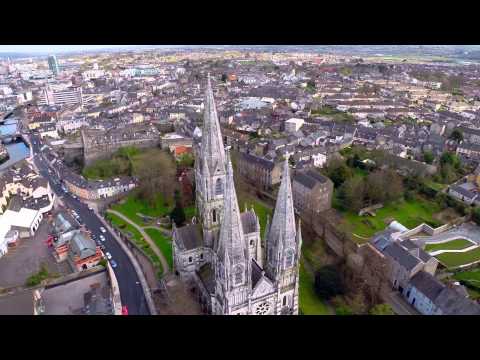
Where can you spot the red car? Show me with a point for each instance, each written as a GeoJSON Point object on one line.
{"type": "Point", "coordinates": [124, 310]}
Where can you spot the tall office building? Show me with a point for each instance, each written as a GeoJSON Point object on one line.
{"type": "Point", "coordinates": [53, 64]}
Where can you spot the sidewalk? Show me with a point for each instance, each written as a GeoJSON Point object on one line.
{"type": "Point", "coordinates": [138, 270]}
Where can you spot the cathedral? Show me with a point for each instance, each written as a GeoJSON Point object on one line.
{"type": "Point", "coordinates": [221, 255]}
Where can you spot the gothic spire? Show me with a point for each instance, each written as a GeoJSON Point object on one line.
{"type": "Point", "coordinates": [212, 145]}
{"type": "Point", "coordinates": [232, 244]}
{"type": "Point", "coordinates": [282, 232]}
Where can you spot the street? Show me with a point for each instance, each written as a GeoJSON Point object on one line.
{"type": "Point", "coordinates": [131, 292]}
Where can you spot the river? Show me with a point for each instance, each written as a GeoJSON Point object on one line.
{"type": "Point", "coordinates": [17, 151]}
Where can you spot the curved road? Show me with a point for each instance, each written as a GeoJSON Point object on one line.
{"type": "Point", "coordinates": [131, 292]}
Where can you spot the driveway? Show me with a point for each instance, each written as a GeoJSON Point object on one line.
{"type": "Point", "coordinates": [25, 259]}
{"type": "Point", "coordinates": [469, 231]}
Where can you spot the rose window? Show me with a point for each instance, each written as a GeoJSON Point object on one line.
{"type": "Point", "coordinates": [263, 308]}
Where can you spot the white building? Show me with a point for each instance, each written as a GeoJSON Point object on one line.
{"type": "Point", "coordinates": [293, 125]}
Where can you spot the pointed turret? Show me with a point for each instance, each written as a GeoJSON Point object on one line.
{"type": "Point", "coordinates": [281, 239]}
{"type": "Point", "coordinates": [232, 251]}
{"type": "Point", "coordinates": [212, 144]}
{"type": "Point", "coordinates": [210, 170]}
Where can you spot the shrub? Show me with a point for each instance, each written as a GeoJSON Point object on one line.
{"type": "Point", "coordinates": [381, 309]}
{"type": "Point", "coordinates": [328, 282]}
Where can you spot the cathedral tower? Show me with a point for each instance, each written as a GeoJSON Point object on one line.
{"type": "Point", "coordinates": [232, 260]}
{"type": "Point", "coordinates": [210, 170]}
{"type": "Point", "coordinates": [283, 244]}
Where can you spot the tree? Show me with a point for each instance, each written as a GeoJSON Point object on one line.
{"type": "Point", "coordinates": [428, 157]}
{"type": "Point", "coordinates": [178, 214]}
{"type": "Point", "coordinates": [375, 190]}
{"type": "Point", "coordinates": [352, 193]}
{"type": "Point", "coordinates": [448, 173]}
{"type": "Point", "coordinates": [328, 282]}
{"type": "Point", "coordinates": [476, 215]}
{"type": "Point", "coordinates": [393, 185]}
{"type": "Point", "coordinates": [156, 172]}
{"type": "Point", "coordinates": [338, 172]}
{"type": "Point", "coordinates": [381, 309]}
{"type": "Point", "coordinates": [456, 135]}
{"type": "Point", "coordinates": [450, 158]}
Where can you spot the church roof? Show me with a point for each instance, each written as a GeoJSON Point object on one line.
{"type": "Point", "coordinates": [190, 236]}
{"type": "Point", "coordinates": [256, 273]}
{"type": "Point", "coordinates": [249, 222]}
{"type": "Point", "coordinates": [207, 277]}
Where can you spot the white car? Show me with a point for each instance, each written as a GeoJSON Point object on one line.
{"type": "Point", "coordinates": [108, 255]}
{"type": "Point", "coordinates": [90, 208]}
{"type": "Point", "coordinates": [102, 237]}
{"type": "Point", "coordinates": [102, 229]}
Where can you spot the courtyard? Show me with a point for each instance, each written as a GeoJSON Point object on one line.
{"type": "Point", "coordinates": [27, 258]}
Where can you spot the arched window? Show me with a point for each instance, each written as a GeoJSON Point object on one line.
{"type": "Point", "coordinates": [238, 274]}
{"type": "Point", "coordinates": [219, 187]}
{"type": "Point", "coordinates": [289, 258]}
{"type": "Point", "coordinates": [285, 300]}
{"type": "Point", "coordinates": [214, 215]}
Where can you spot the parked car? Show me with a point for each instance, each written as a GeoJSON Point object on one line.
{"type": "Point", "coordinates": [102, 237]}
{"type": "Point", "coordinates": [108, 255]}
{"type": "Point", "coordinates": [102, 229]}
{"type": "Point", "coordinates": [124, 310]}
{"type": "Point", "coordinates": [113, 263]}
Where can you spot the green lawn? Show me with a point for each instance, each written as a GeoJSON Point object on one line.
{"type": "Point", "coordinates": [125, 228]}
{"type": "Point", "coordinates": [133, 205]}
{"type": "Point", "coordinates": [409, 213]}
{"type": "Point", "coordinates": [471, 279]}
{"type": "Point", "coordinates": [164, 244]}
{"type": "Point", "coordinates": [456, 244]}
{"type": "Point", "coordinates": [453, 260]}
{"type": "Point", "coordinates": [309, 302]}
{"type": "Point", "coordinates": [435, 185]}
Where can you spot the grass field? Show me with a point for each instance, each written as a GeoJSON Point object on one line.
{"type": "Point", "coordinates": [164, 244]}
{"type": "Point", "coordinates": [456, 244]}
{"type": "Point", "coordinates": [452, 260]}
{"type": "Point", "coordinates": [136, 237]}
{"type": "Point", "coordinates": [133, 205]}
{"type": "Point", "coordinates": [409, 213]}
{"type": "Point", "coordinates": [472, 281]}
{"type": "Point", "coordinates": [309, 302]}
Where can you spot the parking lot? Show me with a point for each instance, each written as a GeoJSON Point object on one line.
{"type": "Point", "coordinates": [25, 259]}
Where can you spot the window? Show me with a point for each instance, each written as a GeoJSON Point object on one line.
{"type": "Point", "coordinates": [285, 300]}
{"type": "Point", "coordinates": [262, 308]}
{"type": "Point", "coordinates": [289, 258]}
{"type": "Point", "coordinates": [190, 259]}
{"type": "Point", "coordinates": [214, 215]}
{"type": "Point", "coordinates": [238, 274]}
{"type": "Point", "coordinates": [251, 242]}
{"type": "Point", "coordinates": [201, 256]}
{"type": "Point", "coordinates": [218, 187]}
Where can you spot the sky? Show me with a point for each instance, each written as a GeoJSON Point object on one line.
{"type": "Point", "coordinates": [55, 48]}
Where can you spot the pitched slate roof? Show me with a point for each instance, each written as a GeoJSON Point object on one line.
{"type": "Point", "coordinates": [190, 236]}
{"type": "Point", "coordinates": [401, 255]}
{"type": "Point", "coordinates": [427, 285]}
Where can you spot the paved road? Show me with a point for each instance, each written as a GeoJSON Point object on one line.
{"type": "Point", "coordinates": [147, 237]}
{"type": "Point", "coordinates": [130, 289]}
{"type": "Point", "coordinates": [399, 305]}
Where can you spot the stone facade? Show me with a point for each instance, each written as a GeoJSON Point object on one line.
{"type": "Point", "coordinates": [222, 257]}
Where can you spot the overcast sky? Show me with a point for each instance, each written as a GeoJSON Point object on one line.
{"type": "Point", "coordinates": [55, 48]}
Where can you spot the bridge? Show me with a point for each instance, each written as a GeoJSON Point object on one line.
{"type": "Point", "coordinates": [17, 134]}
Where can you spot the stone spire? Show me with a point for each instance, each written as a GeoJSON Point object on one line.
{"type": "Point", "coordinates": [232, 250]}
{"type": "Point", "coordinates": [282, 232]}
{"type": "Point", "coordinates": [212, 149]}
